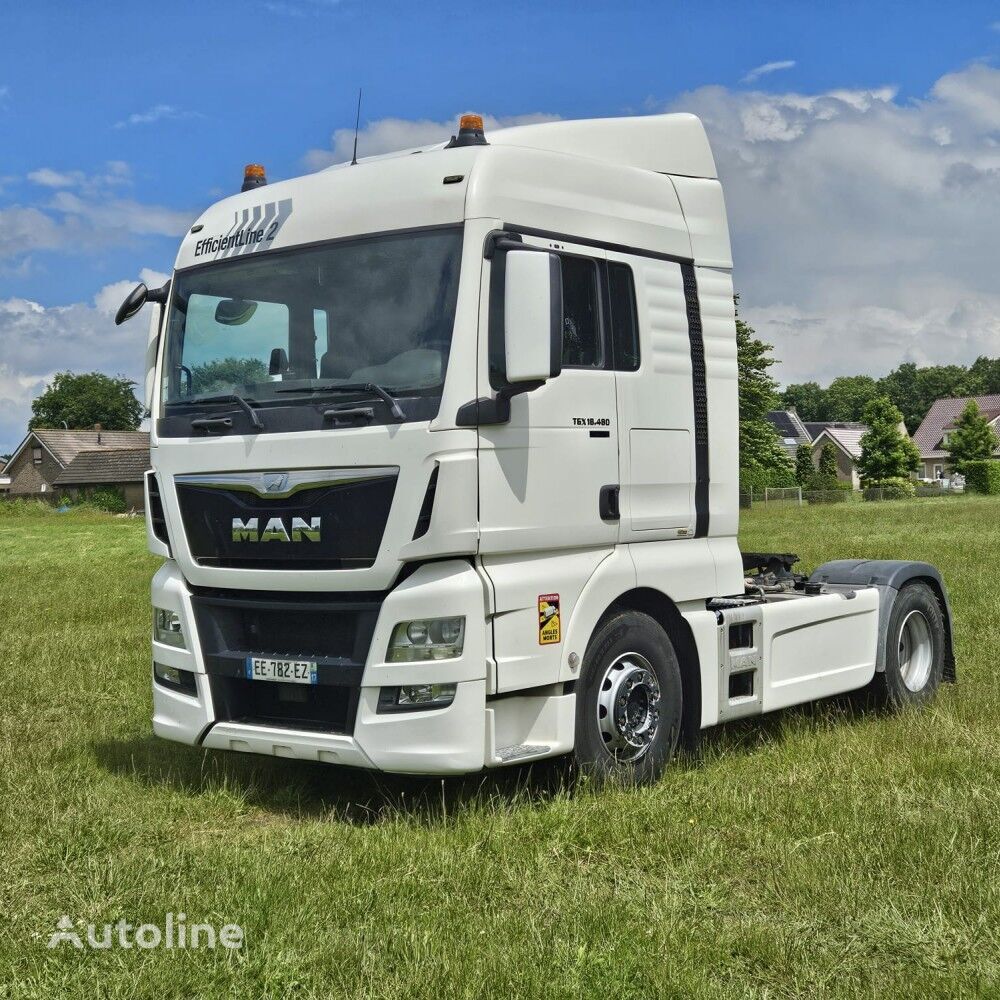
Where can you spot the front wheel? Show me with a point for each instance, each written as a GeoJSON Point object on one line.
{"type": "Point", "coordinates": [628, 706]}
{"type": "Point", "coordinates": [915, 647]}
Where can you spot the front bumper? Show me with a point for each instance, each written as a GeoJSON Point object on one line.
{"type": "Point", "coordinates": [448, 740]}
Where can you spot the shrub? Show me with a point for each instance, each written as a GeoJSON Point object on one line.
{"type": "Point", "coordinates": [110, 500]}
{"type": "Point", "coordinates": [895, 488]}
{"type": "Point", "coordinates": [759, 479]}
{"type": "Point", "coordinates": [983, 476]}
{"type": "Point", "coordinates": [25, 507]}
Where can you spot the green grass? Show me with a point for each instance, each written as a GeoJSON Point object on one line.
{"type": "Point", "coordinates": [820, 852]}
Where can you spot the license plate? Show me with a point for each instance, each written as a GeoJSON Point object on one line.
{"type": "Point", "coordinates": [265, 668]}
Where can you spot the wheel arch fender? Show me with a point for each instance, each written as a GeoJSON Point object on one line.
{"type": "Point", "coordinates": [889, 576]}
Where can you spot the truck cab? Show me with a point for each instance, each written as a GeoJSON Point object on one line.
{"type": "Point", "coordinates": [445, 468]}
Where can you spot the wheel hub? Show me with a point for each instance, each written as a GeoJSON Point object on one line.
{"type": "Point", "coordinates": [628, 707]}
{"type": "Point", "coordinates": [916, 651]}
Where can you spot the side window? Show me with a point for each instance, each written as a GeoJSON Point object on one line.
{"type": "Point", "coordinates": [624, 318]}
{"type": "Point", "coordinates": [581, 314]}
{"type": "Point", "coordinates": [36, 456]}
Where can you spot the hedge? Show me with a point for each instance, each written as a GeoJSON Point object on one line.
{"type": "Point", "coordinates": [983, 476]}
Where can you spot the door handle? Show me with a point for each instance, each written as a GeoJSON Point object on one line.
{"type": "Point", "coordinates": [608, 503]}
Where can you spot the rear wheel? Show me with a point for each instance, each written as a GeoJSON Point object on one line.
{"type": "Point", "coordinates": [915, 647]}
{"type": "Point", "coordinates": [628, 706]}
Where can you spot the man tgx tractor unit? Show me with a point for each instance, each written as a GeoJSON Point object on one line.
{"type": "Point", "coordinates": [445, 469]}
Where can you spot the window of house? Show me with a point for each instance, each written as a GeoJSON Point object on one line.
{"type": "Point", "coordinates": [581, 314]}
{"type": "Point", "coordinates": [939, 472]}
{"type": "Point", "coordinates": [36, 456]}
{"type": "Point", "coordinates": [624, 320]}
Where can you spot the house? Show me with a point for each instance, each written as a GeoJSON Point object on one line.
{"type": "Point", "coordinates": [123, 469]}
{"type": "Point", "coordinates": [845, 436]}
{"type": "Point", "coordinates": [37, 466]}
{"type": "Point", "coordinates": [932, 435]}
{"type": "Point", "coordinates": [4, 478]}
{"type": "Point", "coordinates": [790, 430]}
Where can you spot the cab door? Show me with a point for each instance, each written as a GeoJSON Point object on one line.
{"type": "Point", "coordinates": [548, 478]}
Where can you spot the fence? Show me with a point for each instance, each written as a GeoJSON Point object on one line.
{"type": "Point", "coordinates": [798, 496]}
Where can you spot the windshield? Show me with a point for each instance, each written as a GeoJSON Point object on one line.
{"type": "Point", "coordinates": [280, 328]}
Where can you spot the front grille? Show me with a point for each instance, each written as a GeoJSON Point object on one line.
{"type": "Point", "coordinates": [332, 525]}
{"type": "Point", "coordinates": [334, 630]}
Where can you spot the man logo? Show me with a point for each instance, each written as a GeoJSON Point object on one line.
{"type": "Point", "coordinates": [275, 531]}
{"type": "Point", "coordinates": [275, 482]}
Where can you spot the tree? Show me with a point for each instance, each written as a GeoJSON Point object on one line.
{"type": "Point", "coordinates": [227, 375]}
{"type": "Point", "coordinates": [80, 401]}
{"type": "Point", "coordinates": [848, 395]}
{"type": "Point", "coordinates": [804, 468]}
{"type": "Point", "coordinates": [807, 399]}
{"type": "Point", "coordinates": [885, 452]}
{"type": "Point", "coordinates": [825, 477]}
{"type": "Point", "coordinates": [972, 440]}
{"type": "Point", "coordinates": [902, 386]}
{"type": "Point", "coordinates": [761, 456]}
{"type": "Point", "coordinates": [985, 376]}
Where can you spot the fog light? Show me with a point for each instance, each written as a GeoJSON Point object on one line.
{"type": "Point", "coordinates": [175, 679]}
{"type": "Point", "coordinates": [413, 697]}
{"type": "Point", "coordinates": [167, 627]}
{"type": "Point", "coordinates": [427, 639]}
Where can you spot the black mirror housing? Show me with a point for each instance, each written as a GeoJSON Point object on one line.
{"type": "Point", "coordinates": [134, 301]}
{"type": "Point", "coordinates": [278, 363]}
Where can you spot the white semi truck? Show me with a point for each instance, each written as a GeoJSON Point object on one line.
{"type": "Point", "coordinates": [445, 470]}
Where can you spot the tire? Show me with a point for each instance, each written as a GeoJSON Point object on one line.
{"type": "Point", "coordinates": [629, 701]}
{"type": "Point", "coordinates": [915, 647]}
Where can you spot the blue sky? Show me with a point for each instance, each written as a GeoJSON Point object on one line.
{"type": "Point", "coordinates": [120, 122]}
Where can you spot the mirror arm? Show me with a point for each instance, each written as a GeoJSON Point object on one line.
{"type": "Point", "coordinates": [500, 239]}
{"type": "Point", "coordinates": [492, 409]}
{"type": "Point", "coordinates": [160, 294]}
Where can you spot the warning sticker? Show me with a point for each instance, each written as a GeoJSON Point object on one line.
{"type": "Point", "coordinates": [549, 630]}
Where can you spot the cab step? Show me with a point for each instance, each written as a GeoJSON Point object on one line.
{"type": "Point", "coordinates": [522, 751]}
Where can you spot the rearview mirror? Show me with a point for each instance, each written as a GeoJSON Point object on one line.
{"type": "Point", "coordinates": [278, 363]}
{"type": "Point", "coordinates": [134, 301]}
{"type": "Point", "coordinates": [532, 316]}
{"type": "Point", "coordinates": [234, 312]}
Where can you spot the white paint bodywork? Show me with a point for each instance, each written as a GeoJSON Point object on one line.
{"type": "Point", "coordinates": [516, 507]}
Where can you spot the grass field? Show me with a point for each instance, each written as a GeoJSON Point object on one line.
{"type": "Point", "coordinates": [820, 852]}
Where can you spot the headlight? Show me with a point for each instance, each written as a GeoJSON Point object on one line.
{"type": "Point", "coordinates": [427, 639]}
{"type": "Point", "coordinates": [167, 627]}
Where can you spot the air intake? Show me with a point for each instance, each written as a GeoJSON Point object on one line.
{"type": "Point", "coordinates": [154, 504]}
{"type": "Point", "coordinates": [427, 507]}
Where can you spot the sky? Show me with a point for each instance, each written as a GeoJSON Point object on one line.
{"type": "Point", "coordinates": [858, 144]}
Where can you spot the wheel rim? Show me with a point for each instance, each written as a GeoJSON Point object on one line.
{"type": "Point", "coordinates": [916, 651]}
{"type": "Point", "coordinates": [628, 707]}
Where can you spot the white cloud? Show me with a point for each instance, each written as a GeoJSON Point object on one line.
{"type": "Point", "coordinates": [81, 212]}
{"type": "Point", "coordinates": [769, 67]}
{"type": "Point", "coordinates": [864, 227]}
{"type": "Point", "coordinates": [299, 9]}
{"type": "Point", "coordinates": [390, 134]}
{"type": "Point", "coordinates": [37, 341]}
{"type": "Point", "coordinates": [157, 113]}
{"type": "Point", "coordinates": [47, 177]}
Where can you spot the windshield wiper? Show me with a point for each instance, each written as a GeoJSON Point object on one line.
{"type": "Point", "coordinates": [369, 387]}
{"type": "Point", "coordinates": [229, 397]}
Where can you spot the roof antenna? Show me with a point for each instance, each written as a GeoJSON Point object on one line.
{"type": "Point", "coordinates": [357, 122]}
